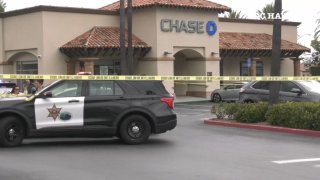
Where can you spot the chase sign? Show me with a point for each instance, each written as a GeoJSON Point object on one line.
{"type": "Point", "coordinates": [199, 27]}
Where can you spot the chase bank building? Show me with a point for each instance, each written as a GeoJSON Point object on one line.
{"type": "Point", "coordinates": [170, 37]}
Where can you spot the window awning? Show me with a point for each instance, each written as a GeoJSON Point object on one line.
{"type": "Point", "coordinates": [102, 42]}
{"type": "Point", "coordinates": [233, 44]}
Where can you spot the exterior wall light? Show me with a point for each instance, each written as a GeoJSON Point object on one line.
{"type": "Point", "coordinates": [213, 53]}
{"type": "Point", "coordinates": [166, 53]}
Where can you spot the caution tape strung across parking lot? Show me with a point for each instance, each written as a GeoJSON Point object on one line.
{"type": "Point", "coordinates": [162, 78]}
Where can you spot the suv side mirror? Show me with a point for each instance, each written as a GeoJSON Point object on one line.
{"type": "Point", "coordinates": [48, 94]}
{"type": "Point", "coordinates": [296, 90]}
{"type": "Point", "coordinates": [45, 95]}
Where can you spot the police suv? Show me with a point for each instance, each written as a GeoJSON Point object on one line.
{"type": "Point", "coordinates": [131, 110]}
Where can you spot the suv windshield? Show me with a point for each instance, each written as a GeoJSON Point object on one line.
{"type": "Point", "coordinates": [313, 86]}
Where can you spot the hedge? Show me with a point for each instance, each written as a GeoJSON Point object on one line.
{"type": "Point", "coordinates": [292, 114]}
{"type": "Point", "coordinates": [295, 115]}
{"type": "Point", "coordinates": [315, 71]}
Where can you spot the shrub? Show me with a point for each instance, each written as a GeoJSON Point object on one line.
{"type": "Point", "coordinates": [231, 109]}
{"type": "Point", "coordinates": [251, 113]}
{"type": "Point", "coordinates": [315, 71]}
{"type": "Point", "coordinates": [218, 110]}
{"type": "Point", "coordinates": [295, 115]}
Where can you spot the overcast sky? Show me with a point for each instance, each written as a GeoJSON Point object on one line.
{"type": "Point", "coordinates": [306, 11]}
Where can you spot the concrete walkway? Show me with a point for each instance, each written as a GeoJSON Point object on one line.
{"type": "Point", "coordinates": [182, 99]}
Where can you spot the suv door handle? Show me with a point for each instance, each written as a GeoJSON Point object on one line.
{"type": "Point", "coordinates": [73, 101]}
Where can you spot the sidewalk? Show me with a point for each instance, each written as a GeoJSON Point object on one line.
{"type": "Point", "coordinates": [184, 99]}
{"type": "Point", "coordinates": [263, 127]}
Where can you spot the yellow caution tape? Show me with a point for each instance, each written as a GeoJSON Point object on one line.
{"type": "Point", "coordinates": [163, 78]}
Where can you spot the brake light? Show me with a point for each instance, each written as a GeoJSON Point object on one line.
{"type": "Point", "coordinates": [169, 101]}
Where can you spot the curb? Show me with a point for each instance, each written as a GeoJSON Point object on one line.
{"type": "Point", "coordinates": [262, 127]}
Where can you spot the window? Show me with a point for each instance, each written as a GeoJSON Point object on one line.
{"type": "Point", "coordinates": [111, 67]}
{"type": "Point", "coordinates": [148, 87]}
{"type": "Point", "coordinates": [245, 68]}
{"type": "Point", "coordinates": [288, 86]}
{"type": "Point", "coordinates": [67, 89]}
{"type": "Point", "coordinates": [104, 88]}
{"type": "Point", "coordinates": [26, 67]}
{"type": "Point", "coordinates": [262, 85]}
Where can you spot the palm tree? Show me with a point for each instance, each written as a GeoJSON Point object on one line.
{"type": "Point", "coordinates": [3, 6]}
{"type": "Point", "coordinates": [235, 15]}
{"type": "Point", "coordinates": [317, 30]}
{"type": "Point", "coordinates": [265, 11]}
{"type": "Point", "coordinates": [276, 55]}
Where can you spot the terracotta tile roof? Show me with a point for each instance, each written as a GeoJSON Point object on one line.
{"type": "Point", "coordinates": [252, 41]}
{"type": "Point", "coordinates": [102, 37]}
{"type": "Point", "coordinates": [193, 4]}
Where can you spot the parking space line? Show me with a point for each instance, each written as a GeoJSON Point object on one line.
{"type": "Point", "coordinates": [296, 161]}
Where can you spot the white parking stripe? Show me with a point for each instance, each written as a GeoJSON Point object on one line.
{"type": "Point", "coordinates": [296, 161]}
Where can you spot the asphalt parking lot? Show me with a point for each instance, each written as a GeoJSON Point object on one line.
{"type": "Point", "coordinates": [191, 151]}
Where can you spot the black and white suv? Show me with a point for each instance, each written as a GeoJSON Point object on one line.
{"type": "Point", "coordinates": [131, 110]}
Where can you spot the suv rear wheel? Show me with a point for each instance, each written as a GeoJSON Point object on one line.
{"type": "Point", "coordinates": [11, 131]}
{"type": "Point", "coordinates": [135, 129]}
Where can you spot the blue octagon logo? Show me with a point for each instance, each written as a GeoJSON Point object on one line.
{"type": "Point", "coordinates": [212, 28]}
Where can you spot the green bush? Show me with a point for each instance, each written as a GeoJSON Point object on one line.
{"type": "Point", "coordinates": [231, 109]}
{"type": "Point", "coordinates": [218, 110]}
{"type": "Point", "coordinates": [251, 113]}
{"type": "Point", "coordinates": [315, 71]}
{"type": "Point", "coordinates": [295, 115]}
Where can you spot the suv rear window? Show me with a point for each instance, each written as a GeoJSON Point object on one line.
{"type": "Point", "coordinates": [149, 87]}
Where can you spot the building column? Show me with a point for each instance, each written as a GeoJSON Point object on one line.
{"type": "Point", "coordinates": [89, 66]}
{"type": "Point", "coordinates": [213, 69]}
{"type": "Point", "coordinates": [253, 68]}
{"type": "Point", "coordinates": [71, 65]}
{"type": "Point", "coordinates": [296, 66]}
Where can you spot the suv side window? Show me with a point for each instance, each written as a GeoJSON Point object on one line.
{"type": "Point", "coordinates": [287, 86]}
{"type": "Point", "coordinates": [104, 88]}
{"type": "Point", "coordinates": [67, 89]}
{"type": "Point", "coordinates": [265, 85]}
{"type": "Point", "coordinates": [148, 87]}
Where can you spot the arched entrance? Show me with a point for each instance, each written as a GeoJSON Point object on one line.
{"type": "Point", "coordinates": [22, 63]}
{"type": "Point", "coordinates": [189, 62]}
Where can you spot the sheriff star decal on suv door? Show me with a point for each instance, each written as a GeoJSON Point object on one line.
{"type": "Point", "coordinates": [54, 112]}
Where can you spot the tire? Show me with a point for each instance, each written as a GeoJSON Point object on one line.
{"type": "Point", "coordinates": [135, 129]}
{"type": "Point", "coordinates": [12, 131]}
{"type": "Point", "coordinates": [216, 98]}
{"type": "Point", "coordinates": [248, 101]}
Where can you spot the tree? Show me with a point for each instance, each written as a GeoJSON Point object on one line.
{"type": "Point", "coordinates": [235, 15]}
{"type": "Point", "coordinates": [268, 12]}
{"type": "Point", "coordinates": [3, 6]}
{"type": "Point", "coordinates": [317, 30]}
{"type": "Point", "coordinates": [314, 59]}
{"type": "Point", "coordinates": [276, 55]}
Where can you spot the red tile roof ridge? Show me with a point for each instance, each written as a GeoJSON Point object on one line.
{"type": "Point", "coordinates": [197, 4]}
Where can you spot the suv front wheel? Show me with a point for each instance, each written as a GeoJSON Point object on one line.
{"type": "Point", "coordinates": [11, 131]}
{"type": "Point", "coordinates": [135, 129]}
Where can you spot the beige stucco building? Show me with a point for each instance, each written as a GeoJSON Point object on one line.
{"type": "Point", "coordinates": [169, 39]}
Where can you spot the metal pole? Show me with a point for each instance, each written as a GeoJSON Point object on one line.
{"type": "Point", "coordinates": [123, 63]}
{"type": "Point", "coordinates": [130, 49]}
{"type": "Point", "coordinates": [276, 54]}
